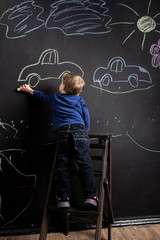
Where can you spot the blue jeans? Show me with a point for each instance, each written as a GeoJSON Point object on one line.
{"type": "Point", "coordinates": [73, 141]}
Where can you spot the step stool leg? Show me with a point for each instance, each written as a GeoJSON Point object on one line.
{"type": "Point", "coordinates": [109, 231]}
{"type": "Point", "coordinates": [100, 214]}
{"type": "Point", "coordinates": [98, 228]}
{"type": "Point", "coordinates": [108, 196]}
{"type": "Point", "coordinates": [67, 223]}
{"type": "Point", "coordinates": [44, 226]}
{"type": "Point", "coordinates": [47, 213]}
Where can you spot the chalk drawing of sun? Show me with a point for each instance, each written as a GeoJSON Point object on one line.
{"type": "Point", "coordinates": [145, 24]}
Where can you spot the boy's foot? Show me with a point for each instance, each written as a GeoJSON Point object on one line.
{"type": "Point", "coordinates": [91, 202]}
{"type": "Point", "coordinates": [63, 203]}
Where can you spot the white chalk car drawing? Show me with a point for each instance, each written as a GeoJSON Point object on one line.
{"type": "Point", "coordinates": [117, 72]}
{"type": "Point", "coordinates": [47, 67]}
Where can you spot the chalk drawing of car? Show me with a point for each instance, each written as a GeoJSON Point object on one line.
{"type": "Point", "coordinates": [118, 71]}
{"type": "Point", "coordinates": [47, 67]}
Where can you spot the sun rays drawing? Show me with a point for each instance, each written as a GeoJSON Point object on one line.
{"type": "Point", "coordinates": [145, 23]}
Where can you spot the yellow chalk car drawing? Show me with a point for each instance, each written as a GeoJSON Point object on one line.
{"type": "Point", "coordinates": [47, 67]}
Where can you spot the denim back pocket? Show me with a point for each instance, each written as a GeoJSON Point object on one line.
{"type": "Point", "coordinates": [81, 140]}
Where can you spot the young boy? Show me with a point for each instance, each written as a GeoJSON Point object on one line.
{"type": "Point", "coordinates": [71, 122]}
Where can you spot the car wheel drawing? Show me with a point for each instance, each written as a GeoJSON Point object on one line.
{"type": "Point", "coordinates": [133, 80]}
{"type": "Point", "coordinates": [106, 79]}
{"type": "Point", "coordinates": [33, 79]}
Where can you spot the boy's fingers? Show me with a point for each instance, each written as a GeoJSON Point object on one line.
{"type": "Point", "coordinates": [21, 88]}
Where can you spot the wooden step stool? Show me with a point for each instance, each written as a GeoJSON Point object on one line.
{"type": "Point", "coordinates": [99, 143]}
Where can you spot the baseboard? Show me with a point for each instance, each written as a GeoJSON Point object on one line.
{"type": "Point", "coordinates": [136, 221]}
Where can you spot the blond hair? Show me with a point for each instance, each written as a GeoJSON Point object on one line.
{"type": "Point", "coordinates": [73, 82]}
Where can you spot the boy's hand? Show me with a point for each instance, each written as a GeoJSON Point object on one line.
{"type": "Point", "coordinates": [25, 88]}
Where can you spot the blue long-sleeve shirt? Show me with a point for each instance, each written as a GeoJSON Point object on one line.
{"type": "Point", "coordinates": [67, 109]}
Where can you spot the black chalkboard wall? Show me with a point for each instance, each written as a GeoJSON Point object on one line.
{"type": "Point", "coordinates": [115, 45]}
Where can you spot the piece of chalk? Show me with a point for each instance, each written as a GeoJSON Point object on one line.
{"type": "Point", "coordinates": [18, 89]}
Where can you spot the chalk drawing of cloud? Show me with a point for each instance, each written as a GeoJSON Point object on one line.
{"type": "Point", "coordinates": [22, 19]}
{"type": "Point", "coordinates": [79, 17]}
